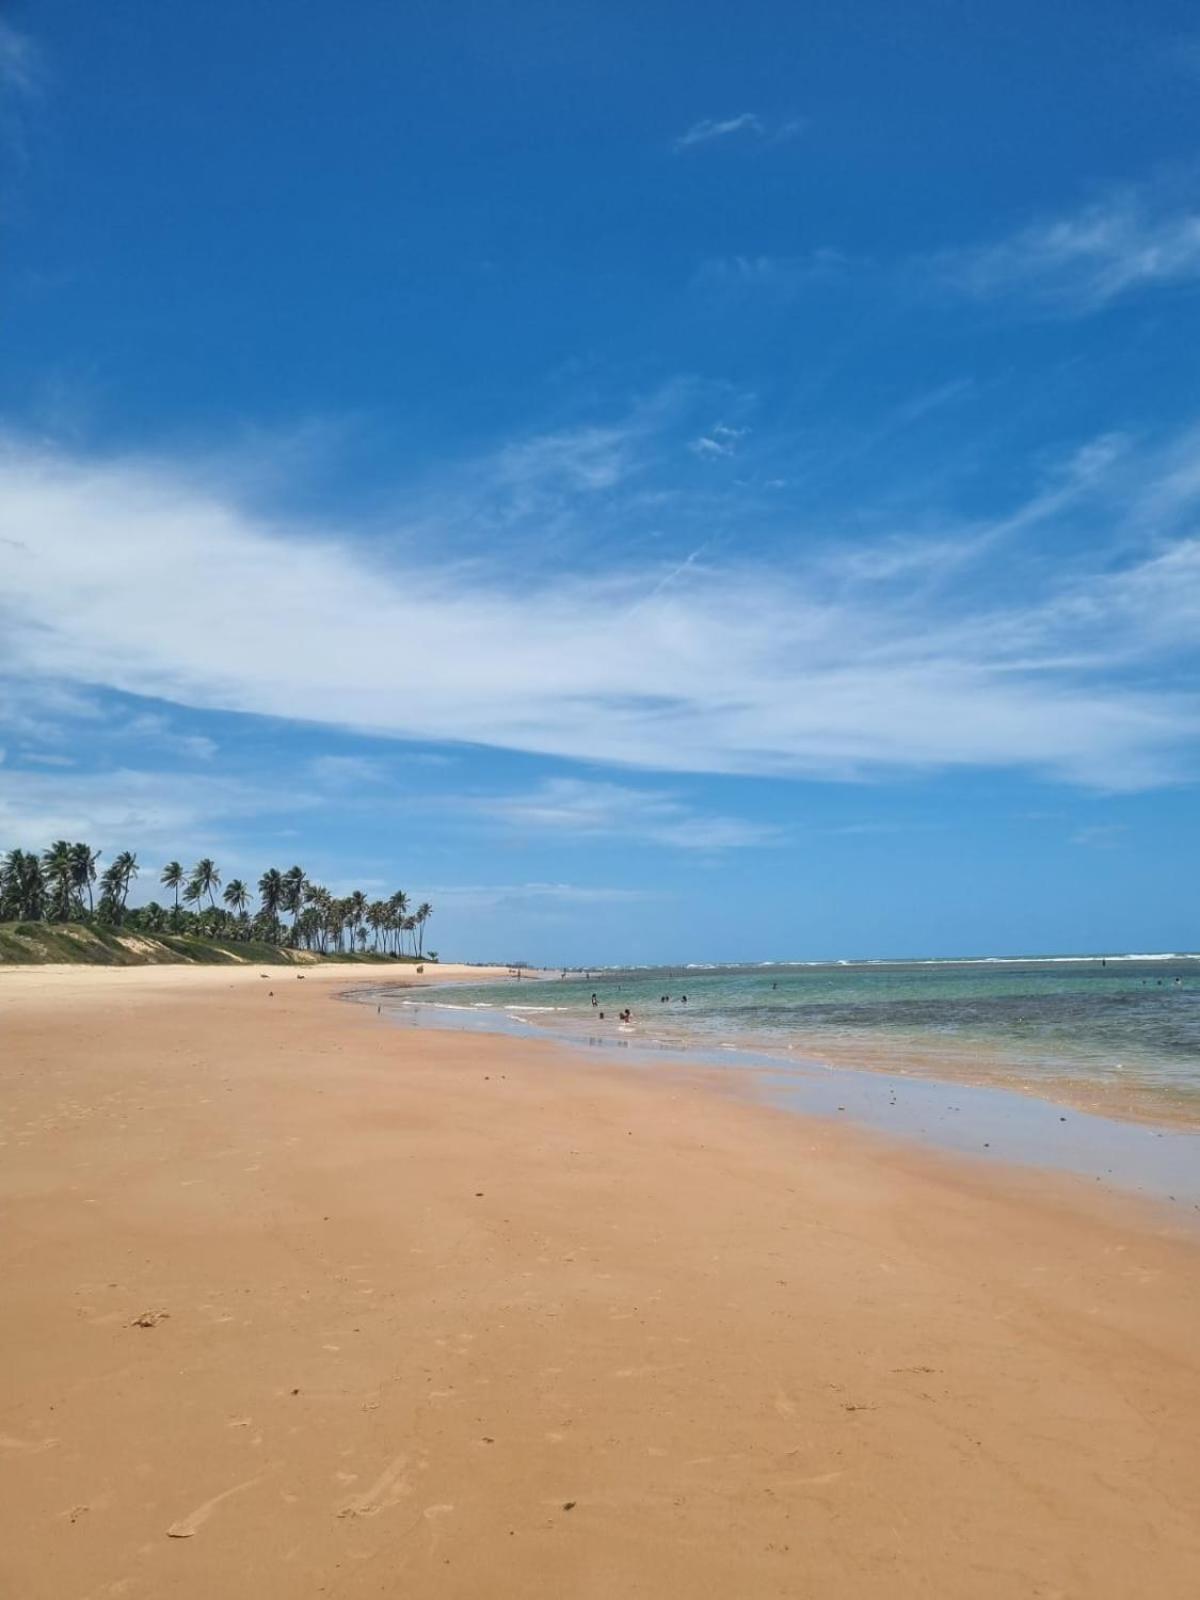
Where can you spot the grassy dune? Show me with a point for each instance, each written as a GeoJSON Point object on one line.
{"type": "Point", "coordinates": [40, 942]}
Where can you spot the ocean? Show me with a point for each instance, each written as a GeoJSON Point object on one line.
{"type": "Point", "coordinates": [1119, 1034]}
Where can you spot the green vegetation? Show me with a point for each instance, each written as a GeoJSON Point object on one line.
{"type": "Point", "coordinates": [49, 911]}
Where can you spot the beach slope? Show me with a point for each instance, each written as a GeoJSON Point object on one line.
{"type": "Point", "coordinates": [299, 1303]}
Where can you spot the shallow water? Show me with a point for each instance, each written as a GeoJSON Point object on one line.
{"type": "Point", "coordinates": [983, 1121]}
{"type": "Point", "coordinates": [1119, 1032]}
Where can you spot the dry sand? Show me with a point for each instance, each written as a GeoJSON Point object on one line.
{"type": "Point", "coordinates": [297, 1303]}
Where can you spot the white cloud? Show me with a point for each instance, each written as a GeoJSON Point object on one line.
{"type": "Point", "coordinates": [588, 809]}
{"type": "Point", "coordinates": [343, 771]}
{"type": "Point", "coordinates": [576, 458]}
{"type": "Point", "coordinates": [154, 729]}
{"type": "Point", "coordinates": [1083, 262]}
{"type": "Point", "coordinates": [498, 896]}
{"type": "Point", "coordinates": [127, 808]}
{"type": "Point", "coordinates": [18, 61]}
{"type": "Point", "coordinates": [780, 277]}
{"type": "Point", "coordinates": [710, 128]}
{"type": "Point", "coordinates": [20, 83]}
{"type": "Point", "coordinates": [1100, 836]}
{"type": "Point", "coordinates": [745, 122]}
{"type": "Point", "coordinates": [813, 667]}
{"type": "Point", "coordinates": [720, 440]}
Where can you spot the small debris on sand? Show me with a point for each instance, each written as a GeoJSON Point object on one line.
{"type": "Point", "coordinates": [149, 1319]}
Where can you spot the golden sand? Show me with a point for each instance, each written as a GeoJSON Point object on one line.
{"type": "Point", "coordinates": [297, 1303]}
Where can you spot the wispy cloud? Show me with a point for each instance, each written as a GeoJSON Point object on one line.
{"type": "Point", "coordinates": [779, 277]}
{"type": "Point", "coordinates": [154, 729]}
{"type": "Point", "coordinates": [749, 123]}
{"type": "Point", "coordinates": [502, 896]}
{"type": "Point", "coordinates": [710, 128]}
{"type": "Point", "coordinates": [340, 772]}
{"type": "Point", "coordinates": [1100, 836]}
{"type": "Point", "coordinates": [883, 660]}
{"type": "Point", "coordinates": [588, 457]}
{"type": "Point", "coordinates": [18, 62]}
{"type": "Point", "coordinates": [589, 809]}
{"type": "Point", "coordinates": [20, 83]}
{"type": "Point", "coordinates": [1085, 261]}
{"type": "Point", "coordinates": [128, 807]}
{"type": "Point", "coordinates": [719, 440]}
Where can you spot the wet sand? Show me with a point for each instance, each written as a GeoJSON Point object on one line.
{"type": "Point", "coordinates": [298, 1303]}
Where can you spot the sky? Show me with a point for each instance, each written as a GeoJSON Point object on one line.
{"type": "Point", "coordinates": [678, 483]}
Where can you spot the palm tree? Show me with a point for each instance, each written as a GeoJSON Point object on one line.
{"type": "Point", "coordinates": [357, 908]}
{"type": "Point", "coordinates": [321, 901]}
{"type": "Point", "coordinates": [22, 887]}
{"type": "Point", "coordinates": [114, 884]}
{"type": "Point", "coordinates": [236, 896]}
{"type": "Point", "coordinates": [270, 892]}
{"type": "Point", "coordinates": [295, 883]}
{"type": "Point", "coordinates": [53, 886]}
{"type": "Point", "coordinates": [397, 906]}
{"type": "Point", "coordinates": [207, 879]}
{"type": "Point", "coordinates": [83, 873]}
{"type": "Point", "coordinates": [171, 877]}
{"type": "Point", "coordinates": [58, 868]}
{"type": "Point", "coordinates": [127, 865]}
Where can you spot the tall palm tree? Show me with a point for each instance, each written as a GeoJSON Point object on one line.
{"type": "Point", "coordinates": [22, 887]}
{"type": "Point", "coordinates": [377, 915]}
{"type": "Point", "coordinates": [319, 901]}
{"type": "Point", "coordinates": [58, 868]}
{"type": "Point", "coordinates": [126, 865]}
{"type": "Point", "coordinates": [397, 907]}
{"type": "Point", "coordinates": [423, 913]}
{"type": "Point", "coordinates": [236, 896]}
{"type": "Point", "coordinates": [83, 873]}
{"type": "Point", "coordinates": [270, 892]}
{"type": "Point", "coordinates": [171, 877]}
{"type": "Point", "coordinates": [356, 904]}
{"type": "Point", "coordinates": [295, 883]}
{"type": "Point", "coordinates": [207, 879]}
{"type": "Point", "coordinates": [110, 892]}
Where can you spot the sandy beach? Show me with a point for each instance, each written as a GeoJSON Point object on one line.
{"type": "Point", "coordinates": [298, 1303]}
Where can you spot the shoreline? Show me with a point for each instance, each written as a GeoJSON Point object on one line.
{"type": "Point", "coordinates": [1000, 1122]}
{"type": "Point", "coordinates": [977, 1066]}
{"type": "Point", "coordinates": [301, 1303]}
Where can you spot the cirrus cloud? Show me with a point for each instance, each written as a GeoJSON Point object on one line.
{"type": "Point", "coordinates": [125, 575]}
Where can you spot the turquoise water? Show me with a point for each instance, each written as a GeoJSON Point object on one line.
{"type": "Point", "coordinates": [1126, 1027]}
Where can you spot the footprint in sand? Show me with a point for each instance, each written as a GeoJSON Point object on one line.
{"type": "Point", "coordinates": [389, 1489]}
{"type": "Point", "coordinates": [187, 1526]}
{"type": "Point", "coordinates": [26, 1446]}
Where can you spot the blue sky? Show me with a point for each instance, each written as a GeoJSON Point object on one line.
{"type": "Point", "coordinates": [708, 482]}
